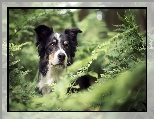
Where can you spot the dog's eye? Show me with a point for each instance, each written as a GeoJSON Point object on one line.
{"type": "Point", "coordinates": [66, 44]}
{"type": "Point", "coordinates": [54, 42]}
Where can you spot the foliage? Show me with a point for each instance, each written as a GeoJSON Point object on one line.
{"type": "Point", "coordinates": [116, 65]}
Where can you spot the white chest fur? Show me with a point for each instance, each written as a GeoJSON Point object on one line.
{"type": "Point", "coordinates": [52, 76]}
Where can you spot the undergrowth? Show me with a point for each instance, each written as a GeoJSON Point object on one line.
{"type": "Point", "coordinates": [117, 68]}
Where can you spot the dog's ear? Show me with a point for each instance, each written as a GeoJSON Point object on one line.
{"type": "Point", "coordinates": [72, 37]}
{"type": "Point", "coordinates": [72, 33]}
{"type": "Point", "coordinates": [42, 32]}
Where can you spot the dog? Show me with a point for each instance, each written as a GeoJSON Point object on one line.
{"type": "Point", "coordinates": [56, 52]}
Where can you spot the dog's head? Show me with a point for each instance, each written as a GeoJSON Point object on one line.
{"type": "Point", "coordinates": [58, 48]}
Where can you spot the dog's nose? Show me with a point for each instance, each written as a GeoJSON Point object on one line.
{"type": "Point", "coordinates": [61, 56]}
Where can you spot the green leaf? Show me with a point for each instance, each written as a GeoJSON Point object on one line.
{"type": "Point", "coordinates": [93, 74]}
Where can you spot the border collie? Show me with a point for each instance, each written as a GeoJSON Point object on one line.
{"type": "Point", "coordinates": [56, 52]}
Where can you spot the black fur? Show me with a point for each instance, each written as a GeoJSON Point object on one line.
{"type": "Point", "coordinates": [72, 36]}
{"type": "Point", "coordinates": [44, 36]}
{"type": "Point", "coordinates": [83, 82]}
{"type": "Point", "coordinates": [44, 32]}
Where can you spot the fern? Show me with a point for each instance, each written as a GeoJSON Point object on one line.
{"type": "Point", "coordinates": [16, 75]}
{"type": "Point", "coordinates": [107, 62]}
